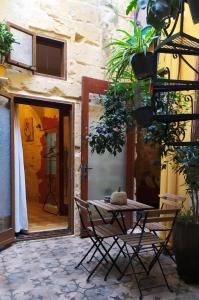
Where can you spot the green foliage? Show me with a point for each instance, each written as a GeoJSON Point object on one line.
{"type": "Point", "coordinates": [185, 216]}
{"type": "Point", "coordinates": [110, 131]}
{"type": "Point", "coordinates": [124, 49]}
{"type": "Point", "coordinates": [132, 5]}
{"type": "Point", "coordinates": [120, 101]}
{"type": "Point", "coordinates": [165, 134]}
{"type": "Point", "coordinates": [186, 162]}
{"type": "Point", "coordinates": [6, 41]}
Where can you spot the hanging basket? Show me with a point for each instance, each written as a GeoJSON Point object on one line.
{"type": "Point", "coordinates": [194, 8]}
{"type": "Point", "coordinates": [143, 65]}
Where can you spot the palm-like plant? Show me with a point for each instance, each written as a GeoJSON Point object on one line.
{"type": "Point", "coordinates": [123, 50]}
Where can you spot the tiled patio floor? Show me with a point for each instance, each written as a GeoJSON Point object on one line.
{"type": "Point", "coordinates": [44, 269]}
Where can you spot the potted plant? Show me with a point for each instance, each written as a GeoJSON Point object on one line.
{"type": "Point", "coordinates": [158, 11]}
{"type": "Point", "coordinates": [6, 41]}
{"type": "Point", "coordinates": [133, 50]}
{"type": "Point", "coordinates": [186, 231]}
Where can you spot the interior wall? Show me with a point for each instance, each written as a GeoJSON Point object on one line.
{"type": "Point", "coordinates": [34, 147]}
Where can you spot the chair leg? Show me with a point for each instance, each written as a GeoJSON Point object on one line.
{"type": "Point", "coordinates": [167, 284]}
{"type": "Point", "coordinates": [103, 257]}
{"type": "Point", "coordinates": [116, 240]}
{"type": "Point", "coordinates": [115, 260]}
{"type": "Point", "coordinates": [97, 249]}
{"type": "Point", "coordinates": [134, 273]}
{"type": "Point", "coordinates": [112, 260]}
{"type": "Point", "coordinates": [166, 249]}
{"type": "Point", "coordinates": [136, 279]}
{"type": "Point", "coordinates": [128, 264]}
{"type": "Point", "coordinates": [141, 262]}
{"type": "Point", "coordinates": [81, 261]}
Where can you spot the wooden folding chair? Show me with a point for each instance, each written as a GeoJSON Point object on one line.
{"type": "Point", "coordinates": [169, 201]}
{"type": "Point", "coordinates": [147, 241]}
{"type": "Point", "coordinates": [97, 234]}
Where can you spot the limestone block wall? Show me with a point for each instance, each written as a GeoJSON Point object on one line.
{"type": "Point", "coordinates": [87, 26]}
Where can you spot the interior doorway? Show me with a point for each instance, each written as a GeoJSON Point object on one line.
{"type": "Point", "coordinates": [46, 134]}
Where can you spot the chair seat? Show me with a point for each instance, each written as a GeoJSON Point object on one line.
{"type": "Point", "coordinates": [147, 239]}
{"type": "Point", "coordinates": [106, 230]}
{"type": "Point", "coordinates": [156, 227]}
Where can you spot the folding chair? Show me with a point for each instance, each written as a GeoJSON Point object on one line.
{"type": "Point", "coordinates": [169, 201]}
{"type": "Point", "coordinates": [97, 234]}
{"type": "Point", "coordinates": [147, 241]}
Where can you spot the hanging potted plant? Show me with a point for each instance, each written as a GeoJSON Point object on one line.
{"type": "Point", "coordinates": [158, 11]}
{"type": "Point", "coordinates": [6, 41]}
{"type": "Point", "coordinates": [186, 231]}
{"type": "Point", "coordinates": [133, 50]}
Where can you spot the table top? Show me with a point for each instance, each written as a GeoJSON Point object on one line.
{"type": "Point", "coordinates": [132, 205]}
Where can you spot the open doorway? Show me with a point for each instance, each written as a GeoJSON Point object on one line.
{"type": "Point", "coordinates": [46, 136]}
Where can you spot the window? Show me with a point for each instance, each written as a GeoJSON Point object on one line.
{"type": "Point", "coordinates": [50, 56]}
{"type": "Point", "coordinates": [44, 55]}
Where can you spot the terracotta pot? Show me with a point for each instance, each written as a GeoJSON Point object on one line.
{"type": "Point", "coordinates": [186, 245]}
{"type": "Point", "coordinates": [143, 65]}
{"type": "Point", "coordinates": [2, 70]}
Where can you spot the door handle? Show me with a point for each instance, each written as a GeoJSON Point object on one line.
{"type": "Point", "coordinates": [84, 169]}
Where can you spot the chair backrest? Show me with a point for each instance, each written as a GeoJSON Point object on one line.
{"type": "Point", "coordinates": [159, 216]}
{"type": "Point", "coordinates": [171, 201]}
{"type": "Point", "coordinates": [83, 208]}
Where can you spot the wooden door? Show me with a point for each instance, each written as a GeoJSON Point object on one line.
{"type": "Point", "coordinates": [6, 170]}
{"type": "Point", "coordinates": [102, 174]}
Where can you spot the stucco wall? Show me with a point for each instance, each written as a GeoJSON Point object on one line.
{"type": "Point", "coordinates": [87, 26]}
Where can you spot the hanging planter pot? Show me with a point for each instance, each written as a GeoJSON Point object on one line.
{"type": "Point", "coordinates": [194, 8]}
{"type": "Point", "coordinates": [143, 65]}
{"type": "Point", "coordinates": [143, 116]}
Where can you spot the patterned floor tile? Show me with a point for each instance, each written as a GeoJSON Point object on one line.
{"type": "Point", "coordinates": [45, 270]}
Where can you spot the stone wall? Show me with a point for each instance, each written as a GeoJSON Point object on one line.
{"type": "Point", "coordinates": [87, 26]}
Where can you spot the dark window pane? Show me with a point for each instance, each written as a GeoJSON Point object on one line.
{"type": "Point", "coordinates": [49, 57]}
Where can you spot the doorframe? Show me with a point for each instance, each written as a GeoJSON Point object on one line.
{"type": "Point", "coordinates": [91, 85]}
{"type": "Point", "coordinates": [7, 237]}
{"type": "Point", "coordinates": [55, 103]}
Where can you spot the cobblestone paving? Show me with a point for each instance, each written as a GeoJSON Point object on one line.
{"type": "Point", "coordinates": [44, 270]}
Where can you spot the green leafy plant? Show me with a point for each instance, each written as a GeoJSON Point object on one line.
{"type": "Point", "coordinates": [186, 161]}
{"type": "Point", "coordinates": [123, 50]}
{"type": "Point", "coordinates": [120, 103]}
{"type": "Point", "coordinates": [185, 216]}
{"type": "Point", "coordinates": [167, 134]}
{"type": "Point", "coordinates": [110, 131]}
{"type": "Point", "coordinates": [6, 41]}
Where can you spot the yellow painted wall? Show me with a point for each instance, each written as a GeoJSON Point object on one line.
{"type": "Point", "coordinates": [171, 182]}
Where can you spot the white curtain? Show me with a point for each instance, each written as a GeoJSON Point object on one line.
{"type": "Point", "coordinates": [21, 216]}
